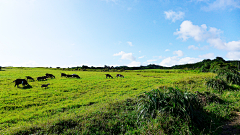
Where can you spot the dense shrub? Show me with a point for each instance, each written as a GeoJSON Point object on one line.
{"type": "Point", "coordinates": [230, 76]}
{"type": "Point", "coordinates": [216, 84]}
{"type": "Point", "coordinates": [182, 105]}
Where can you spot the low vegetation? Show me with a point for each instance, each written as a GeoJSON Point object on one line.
{"type": "Point", "coordinates": [150, 101]}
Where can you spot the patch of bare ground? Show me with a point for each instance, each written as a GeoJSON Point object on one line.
{"type": "Point", "coordinates": [232, 127]}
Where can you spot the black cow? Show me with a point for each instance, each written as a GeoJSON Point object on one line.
{"type": "Point", "coordinates": [29, 77]}
{"type": "Point", "coordinates": [20, 81]}
{"type": "Point", "coordinates": [63, 74]}
{"type": "Point", "coordinates": [68, 76]}
{"type": "Point", "coordinates": [76, 76]}
{"type": "Point", "coordinates": [42, 78]}
{"type": "Point", "coordinates": [73, 75]}
{"type": "Point", "coordinates": [108, 76]}
{"type": "Point", "coordinates": [45, 85]}
{"type": "Point", "coordinates": [119, 75]}
{"type": "Point", "coordinates": [50, 75]}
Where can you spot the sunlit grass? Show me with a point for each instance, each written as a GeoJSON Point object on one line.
{"type": "Point", "coordinates": [67, 98]}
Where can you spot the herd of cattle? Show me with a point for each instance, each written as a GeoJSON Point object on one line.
{"type": "Point", "coordinates": [44, 78]}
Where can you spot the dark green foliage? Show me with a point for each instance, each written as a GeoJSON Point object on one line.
{"type": "Point", "coordinates": [216, 64]}
{"type": "Point", "coordinates": [204, 66]}
{"type": "Point", "coordinates": [180, 104]}
{"type": "Point", "coordinates": [150, 103]}
{"type": "Point", "coordinates": [230, 76]}
{"type": "Point", "coordinates": [217, 84]}
{"type": "Point", "coordinates": [224, 79]}
{"type": "Point", "coordinates": [166, 124]}
{"type": "Point", "coordinates": [206, 98]}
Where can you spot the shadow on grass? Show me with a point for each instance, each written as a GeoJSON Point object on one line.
{"type": "Point", "coordinates": [27, 87]}
{"type": "Point", "coordinates": [207, 98]}
{"type": "Point", "coordinates": [117, 118]}
{"type": "Point", "coordinates": [232, 88]}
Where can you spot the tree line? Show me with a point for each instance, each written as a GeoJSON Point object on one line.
{"type": "Point", "coordinates": [207, 65]}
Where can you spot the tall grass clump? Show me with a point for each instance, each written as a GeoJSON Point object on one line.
{"type": "Point", "coordinates": [216, 84]}
{"type": "Point", "coordinates": [224, 79]}
{"type": "Point", "coordinates": [183, 106]}
{"type": "Point", "coordinates": [230, 76]}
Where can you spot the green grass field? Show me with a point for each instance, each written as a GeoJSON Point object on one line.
{"type": "Point", "coordinates": [67, 98]}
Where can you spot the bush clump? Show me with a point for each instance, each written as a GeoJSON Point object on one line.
{"type": "Point", "coordinates": [173, 102]}
{"type": "Point", "coordinates": [230, 76]}
{"type": "Point", "coordinates": [217, 84]}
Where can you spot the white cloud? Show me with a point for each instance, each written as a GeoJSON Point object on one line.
{"type": "Point", "coordinates": [175, 60]}
{"type": "Point", "coordinates": [149, 61]}
{"type": "Point", "coordinates": [188, 60]}
{"type": "Point", "coordinates": [167, 50]}
{"type": "Point", "coordinates": [233, 55]}
{"type": "Point", "coordinates": [120, 53]}
{"type": "Point", "coordinates": [233, 45]}
{"type": "Point", "coordinates": [141, 57]}
{"type": "Point", "coordinates": [222, 4]}
{"type": "Point", "coordinates": [211, 36]}
{"type": "Point", "coordinates": [171, 15]}
{"type": "Point", "coordinates": [134, 64]}
{"type": "Point", "coordinates": [216, 42]}
{"type": "Point", "coordinates": [197, 48]}
{"type": "Point", "coordinates": [187, 30]}
{"type": "Point", "coordinates": [219, 44]}
{"type": "Point", "coordinates": [202, 0]}
{"type": "Point", "coordinates": [30, 63]}
{"type": "Point", "coordinates": [126, 56]}
{"type": "Point", "coordinates": [193, 47]}
{"type": "Point", "coordinates": [119, 42]}
{"type": "Point", "coordinates": [179, 53]}
{"type": "Point", "coordinates": [130, 43]}
{"type": "Point", "coordinates": [114, 1]}
{"type": "Point", "coordinates": [158, 57]}
{"type": "Point", "coordinates": [6, 64]}
{"type": "Point", "coordinates": [207, 56]}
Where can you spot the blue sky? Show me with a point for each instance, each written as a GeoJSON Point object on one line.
{"type": "Point", "coordinates": [67, 33]}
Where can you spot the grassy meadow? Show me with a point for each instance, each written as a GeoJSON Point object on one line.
{"type": "Point", "coordinates": [25, 108]}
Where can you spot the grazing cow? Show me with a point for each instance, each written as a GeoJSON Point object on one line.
{"type": "Point", "coordinates": [29, 77]}
{"type": "Point", "coordinates": [68, 76]}
{"type": "Point", "coordinates": [50, 75]}
{"type": "Point", "coordinates": [73, 75]}
{"type": "Point", "coordinates": [63, 74]}
{"type": "Point", "coordinates": [20, 81]}
{"type": "Point", "coordinates": [119, 75]}
{"type": "Point", "coordinates": [45, 77]}
{"type": "Point", "coordinates": [45, 85]}
{"type": "Point", "coordinates": [108, 76]}
{"type": "Point", "coordinates": [76, 76]}
{"type": "Point", "coordinates": [42, 78]}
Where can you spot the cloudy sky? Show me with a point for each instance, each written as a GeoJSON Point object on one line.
{"type": "Point", "coordinates": [70, 33]}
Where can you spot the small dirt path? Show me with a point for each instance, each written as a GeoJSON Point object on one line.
{"type": "Point", "coordinates": [232, 127]}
